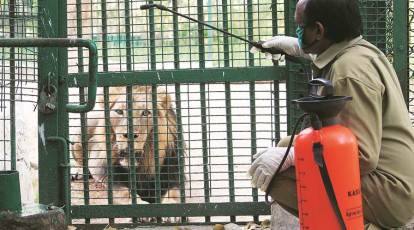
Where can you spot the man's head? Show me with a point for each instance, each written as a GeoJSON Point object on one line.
{"type": "Point", "coordinates": [327, 21]}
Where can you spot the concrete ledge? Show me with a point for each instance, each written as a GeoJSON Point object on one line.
{"type": "Point", "coordinates": [33, 218]}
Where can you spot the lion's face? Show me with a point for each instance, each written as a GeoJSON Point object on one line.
{"type": "Point", "coordinates": [142, 133]}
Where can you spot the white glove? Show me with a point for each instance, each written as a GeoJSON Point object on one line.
{"type": "Point", "coordinates": [269, 56]}
{"type": "Point", "coordinates": [266, 163]}
{"type": "Point", "coordinates": [287, 44]}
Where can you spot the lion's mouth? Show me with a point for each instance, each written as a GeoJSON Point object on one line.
{"type": "Point", "coordinates": [140, 154]}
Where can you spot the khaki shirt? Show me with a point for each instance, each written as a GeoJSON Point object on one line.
{"type": "Point", "coordinates": [378, 117]}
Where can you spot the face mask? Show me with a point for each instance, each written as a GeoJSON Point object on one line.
{"type": "Point", "coordinates": [299, 34]}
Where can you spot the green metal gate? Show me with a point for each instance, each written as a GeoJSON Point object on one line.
{"type": "Point", "coordinates": [228, 103]}
{"type": "Point", "coordinates": [411, 60]}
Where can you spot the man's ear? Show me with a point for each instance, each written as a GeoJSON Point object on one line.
{"type": "Point", "coordinates": [320, 31]}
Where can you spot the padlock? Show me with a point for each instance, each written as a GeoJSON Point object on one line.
{"type": "Point", "coordinates": [47, 99]}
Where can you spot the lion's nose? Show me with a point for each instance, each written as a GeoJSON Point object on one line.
{"type": "Point", "coordinates": [123, 153]}
{"type": "Point", "coordinates": [126, 135]}
{"type": "Point", "coordinates": [139, 154]}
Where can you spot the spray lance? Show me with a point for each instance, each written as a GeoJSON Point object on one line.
{"type": "Point", "coordinates": [252, 43]}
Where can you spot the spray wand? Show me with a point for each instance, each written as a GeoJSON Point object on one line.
{"type": "Point", "coordinates": [252, 43]}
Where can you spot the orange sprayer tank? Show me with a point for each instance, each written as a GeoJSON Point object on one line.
{"type": "Point", "coordinates": [327, 167]}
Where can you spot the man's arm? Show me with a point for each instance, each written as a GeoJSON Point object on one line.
{"type": "Point", "coordinates": [363, 115]}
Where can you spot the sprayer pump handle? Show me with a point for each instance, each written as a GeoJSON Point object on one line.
{"type": "Point", "coordinates": [327, 84]}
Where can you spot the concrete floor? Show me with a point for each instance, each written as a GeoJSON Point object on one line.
{"type": "Point", "coordinates": [189, 227]}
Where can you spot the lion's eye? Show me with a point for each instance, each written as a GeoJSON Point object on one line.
{"type": "Point", "coordinates": [146, 112]}
{"type": "Point", "coordinates": [119, 111]}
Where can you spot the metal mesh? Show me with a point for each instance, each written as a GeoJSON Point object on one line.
{"type": "Point", "coordinates": [377, 22]}
{"type": "Point", "coordinates": [218, 126]}
{"type": "Point", "coordinates": [132, 39]}
{"type": "Point", "coordinates": [221, 125]}
{"type": "Point", "coordinates": [18, 76]}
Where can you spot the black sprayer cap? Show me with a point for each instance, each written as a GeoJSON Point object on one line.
{"type": "Point", "coordinates": [325, 108]}
{"type": "Point", "coordinates": [321, 101]}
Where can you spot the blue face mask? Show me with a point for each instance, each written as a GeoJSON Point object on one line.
{"type": "Point", "coordinates": [299, 33]}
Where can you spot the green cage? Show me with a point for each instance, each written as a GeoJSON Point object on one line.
{"type": "Point", "coordinates": [181, 109]}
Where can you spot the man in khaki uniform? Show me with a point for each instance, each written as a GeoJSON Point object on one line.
{"type": "Point", "coordinates": [377, 115]}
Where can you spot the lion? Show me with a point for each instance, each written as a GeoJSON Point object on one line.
{"type": "Point", "coordinates": [143, 145]}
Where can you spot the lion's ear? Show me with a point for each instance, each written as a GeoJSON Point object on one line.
{"type": "Point", "coordinates": [116, 93]}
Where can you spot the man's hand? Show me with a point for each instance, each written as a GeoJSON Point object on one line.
{"type": "Point", "coordinates": [266, 163]}
{"type": "Point", "coordinates": [288, 45]}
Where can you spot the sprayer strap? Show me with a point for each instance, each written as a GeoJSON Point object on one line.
{"type": "Point", "coordinates": [320, 161]}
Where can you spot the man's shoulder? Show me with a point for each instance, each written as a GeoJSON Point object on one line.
{"type": "Point", "coordinates": [360, 52]}
{"type": "Point", "coordinates": [359, 62]}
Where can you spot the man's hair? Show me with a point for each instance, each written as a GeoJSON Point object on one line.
{"type": "Point", "coordinates": [341, 18]}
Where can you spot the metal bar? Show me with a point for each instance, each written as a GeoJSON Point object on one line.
{"type": "Point", "coordinates": [63, 95]}
{"type": "Point", "coordinates": [275, 91]}
{"type": "Point", "coordinates": [12, 88]}
{"type": "Point", "coordinates": [250, 30]}
{"type": "Point", "coordinates": [65, 42]}
{"type": "Point", "coordinates": [104, 27]}
{"type": "Point", "coordinates": [253, 142]}
{"type": "Point", "coordinates": [230, 146]}
{"type": "Point", "coordinates": [150, 225]}
{"type": "Point", "coordinates": [176, 37]}
{"type": "Point", "coordinates": [85, 170]}
{"type": "Point", "coordinates": [128, 34]}
{"type": "Point", "coordinates": [205, 146]}
{"type": "Point", "coordinates": [274, 17]}
{"type": "Point", "coordinates": [276, 111]}
{"type": "Point", "coordinates": [108, 148]}
{"type": "Point", "coordinates": [202, 63]}
{"type": "Point", "coordinates": [156, 146]}
{"type": "Point", "coordinates": [129, 89]}
{"type": "Point", "coordinates": [66, 172]}
{"type": "Point", "coordinates": [153, 59]}
{"type": "Point", "coordinates": [50, 181]}
{"type": "Point", "coordinates": [201, 49]}
{"type": "Point", "coordinates": [225, 36]}
{"type": "Point", "coordinates": [252, 89]}
{"type": "Point", "coordinates": [171, 210]}
{"type": "Point", "coordinates": [400, 28]}
{"type": "Point", "coordinates": [268, 73]}
{"type": "Point", "coordinates": [85, 149]}
{"type": "Point", "coordinates": [107, 113]}
{"type": "Point", "coordinates": [131, 150]}
{"type": "Point", "coordinates": [180, 143]}
{"type": "Point", "coordinates": [228, 108]}
{"type": "Point", "coordinates": [79, 33]}
{"type": "Point", "coordinates": [275, 24]}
